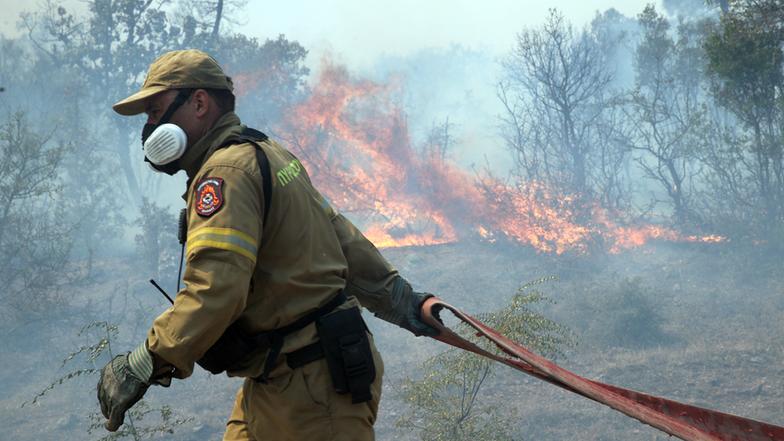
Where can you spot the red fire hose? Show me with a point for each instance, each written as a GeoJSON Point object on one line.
{"type": "Point", "coordinates": [690, 423]}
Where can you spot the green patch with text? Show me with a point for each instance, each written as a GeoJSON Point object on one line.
{"type": "Point", "coordinates": [289, 172]}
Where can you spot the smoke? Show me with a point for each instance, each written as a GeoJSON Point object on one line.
{"type": "Point", "coordinates": [453, 84]}
{"type": "Point", "coordinates": [619, 35]}
{"type": "Point", "coordinates": [409, 148]}
{"type": "Point", "coordinates": [686, 8]}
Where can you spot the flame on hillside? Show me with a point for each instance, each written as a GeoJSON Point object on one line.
{"type": "Point", "coordinates": [355, 143]}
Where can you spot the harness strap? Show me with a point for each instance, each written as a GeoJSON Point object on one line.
{"type": "Point", "coordinates": [253, 136]}
{"type": "Point", "coordinates": [266, 176]}
{"type": "Point", "coordinates": [275, 338]}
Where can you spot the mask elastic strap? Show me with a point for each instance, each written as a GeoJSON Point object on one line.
{"type": "Point", "coordinates": [179, 100]}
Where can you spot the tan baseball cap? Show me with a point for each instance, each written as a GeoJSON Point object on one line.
{"type": "Point", "coordinates": [184, 69]}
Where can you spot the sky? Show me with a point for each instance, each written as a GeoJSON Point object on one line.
{"type": "Point", "coordinates": [357, 32]}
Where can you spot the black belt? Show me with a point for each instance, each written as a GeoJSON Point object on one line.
{"type": "Point", "coordinates": [275, 338]}
{"type": "Point", "coordinates": [303, 356]}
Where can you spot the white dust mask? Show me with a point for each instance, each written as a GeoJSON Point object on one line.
{"type": "Point", "coordinates": [167, 143]}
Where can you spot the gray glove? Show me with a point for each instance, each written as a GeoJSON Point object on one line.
{"type": "Point", "coordinates": [405, 309]}
{"type": "Point", "coordinates": [124, 380]}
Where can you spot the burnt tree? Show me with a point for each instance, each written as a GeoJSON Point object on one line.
{"type": "Point", "coordinates": [559, 102]}
{"type": "Point", "coordinates": [666, 111]}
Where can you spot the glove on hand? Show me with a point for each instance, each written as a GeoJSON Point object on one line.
{"type": "Point", "coordinates": [405, 309]}
{"type": "Point", "coordinates": [121, 385]}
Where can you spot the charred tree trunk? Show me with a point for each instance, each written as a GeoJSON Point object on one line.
{"type": "Point", "coordinates": [216, 24]}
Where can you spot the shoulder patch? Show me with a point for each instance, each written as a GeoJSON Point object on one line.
{"type": "Point", "coordinates": [209, 196]}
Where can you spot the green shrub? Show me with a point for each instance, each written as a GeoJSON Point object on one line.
{"type": "Point", "coordinates": [447, 403]}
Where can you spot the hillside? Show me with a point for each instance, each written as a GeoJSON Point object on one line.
{"type": "Point", "coordinates": [714, 339]}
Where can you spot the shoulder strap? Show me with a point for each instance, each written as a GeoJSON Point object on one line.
{"type": "Point", "coordinates": [266, 176]}
{"type": "Point", "coordinates": [253, 136]}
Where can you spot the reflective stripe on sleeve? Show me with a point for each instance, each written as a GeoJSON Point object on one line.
{"type": "Point", "coordinates": [225, 239]}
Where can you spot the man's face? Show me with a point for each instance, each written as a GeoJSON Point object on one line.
{"type": "Point", "coordinates": [190, 117]}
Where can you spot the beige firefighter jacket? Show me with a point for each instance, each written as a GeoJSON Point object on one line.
{"type": "Point", "coordinates": [262, 276]}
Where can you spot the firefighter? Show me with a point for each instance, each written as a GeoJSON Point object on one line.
{"type": "Point", "coordinates": [273, 278]}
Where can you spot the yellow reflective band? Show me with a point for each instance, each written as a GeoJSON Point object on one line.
{"type": "Point", "coordinates": [222, 246]}
{"type": "Point", "coordinates": [223, 232]}
{"type": "Point", "coordinates": [223, 238]}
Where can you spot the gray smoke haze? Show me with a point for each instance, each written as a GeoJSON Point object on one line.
{"type": "Point", "coordinates": [685, 7]}
{"type": "Point", "coordinates": [597, 142]}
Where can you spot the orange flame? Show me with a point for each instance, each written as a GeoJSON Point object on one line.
{"type": "Point", "coordinates": [355, 143]}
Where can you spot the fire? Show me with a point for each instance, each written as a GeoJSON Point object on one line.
{"type": "Point", "coordinates": [355, 143]}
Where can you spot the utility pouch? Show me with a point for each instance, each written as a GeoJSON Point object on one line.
{"type": "Point", "coordinates": [232, 347]}
{"type": "Point", "coordinates": [346, 347]}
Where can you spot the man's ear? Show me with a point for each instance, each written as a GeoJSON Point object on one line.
{"type": "Point", "coordinates": [201, 99]}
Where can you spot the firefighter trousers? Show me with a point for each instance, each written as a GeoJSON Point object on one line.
{"type": "Point", "coordinates": [301, 404]}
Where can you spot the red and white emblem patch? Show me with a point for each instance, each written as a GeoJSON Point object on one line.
{"type": "Point", "coordinates": [209, 196]}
